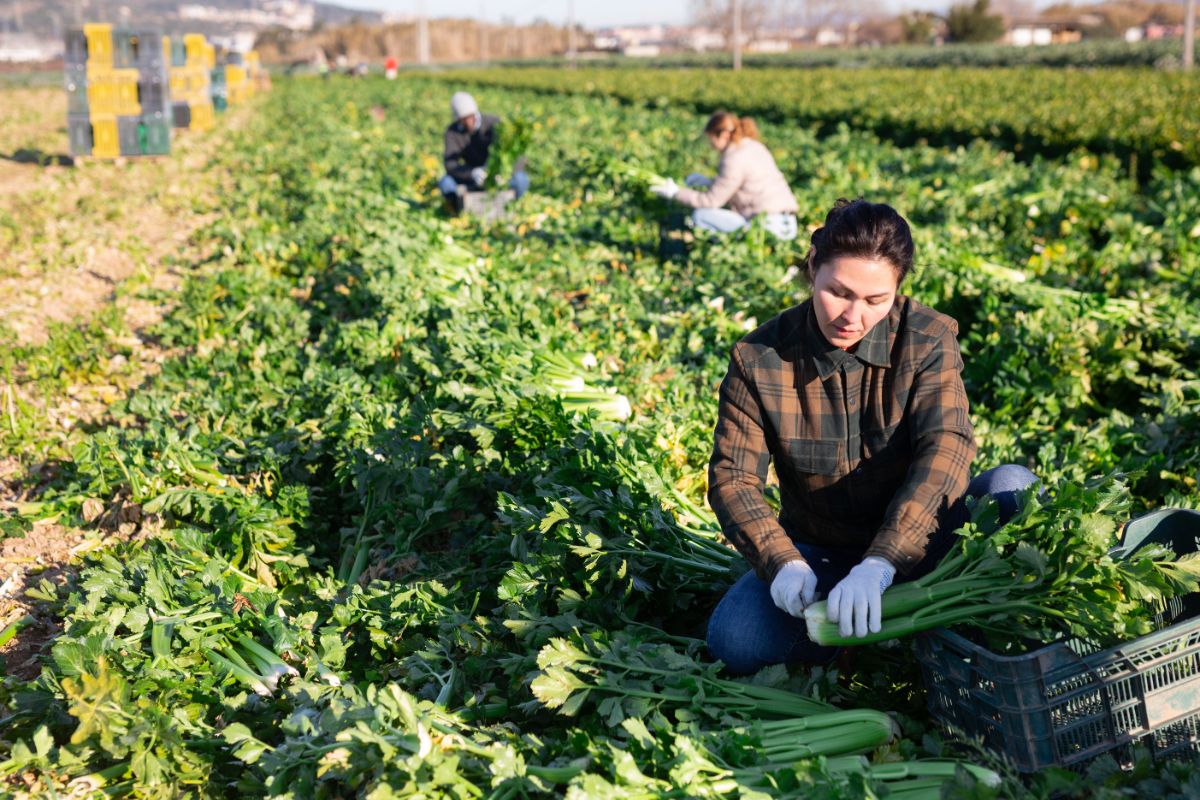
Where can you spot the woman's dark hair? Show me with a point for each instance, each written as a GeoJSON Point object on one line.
{"type": "Point", "coordinates": [860, 229]}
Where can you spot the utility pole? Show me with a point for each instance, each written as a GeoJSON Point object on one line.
{"type": "Point", "coordinates": [737, 34]}
{"type": "Point", "coordinates": [571, 34]}
{"type": "Point", "coordinates": [483, 54]}
{"type": "Point", "coordinates": [1189, 36]}
{"type": "Point", "coordinates": [422, 34]}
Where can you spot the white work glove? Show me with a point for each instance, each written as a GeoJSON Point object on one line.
{"type": "Point", "coordinates": [667, 189]}
{"type": "Point", "coordinates": [856, 603]}
{"type": "Point", "coordinates": [478, 176]}
{"type": "Point", "coordinates": [695, 180]}
{"type": "Point", "coordinates": [794, 587]}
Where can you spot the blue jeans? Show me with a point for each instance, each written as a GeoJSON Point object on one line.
{"type": "Point", "coordinates": [747, 631]}
{"type": "Point", "coordinates": [718, 220]}
{"type": "Point", "coordinates": [725, 220]}
{"type": "Point", "coordinates": [519, 184]}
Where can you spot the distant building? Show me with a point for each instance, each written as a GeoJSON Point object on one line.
{"type": "Point", "coordinates": [829, 37]}
{"type": "Point", "coordinates": [289, 14]}
{"type": "Point", "coordinates": [1026, 35]}
{"type": "Point", "coordinates": [638, 41]}
{"type": "Point", "coordinates": [1159, 30]}
{"type": "Point", "coordinates": [1043, 32]}
{"type": "Point", "coordinates": [702, 40]}
{"type": "Point", "coordinates": [641, 50]}
{"type": "Point", "coordinates": [606, 42]}
{"type": "Point", "coordinates": [1152, 31]}
{"type": "Point", "coordinates": [237, 42]}
{"type": "Point", "coordinates": [769, 46]}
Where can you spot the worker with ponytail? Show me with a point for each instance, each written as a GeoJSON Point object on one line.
{"type": "Point", "coordinates": [748, 181]}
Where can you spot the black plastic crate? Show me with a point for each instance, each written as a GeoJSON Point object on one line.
{"type": "Point", "coordinates": [154, 96]}
{"type": "Point", "coordinates": [75, 49]}
{"type": "Point", "coordinates": [674, 236]}
{"type": "Point", "coordinates": [488, 207]}
{"type": "Point", "coordinates": [181, 114]}
{"type": "Point", "coordinates": [148, 51]}
{"type": "Point", "coordinates": [79, 134]}
{"type": "Point", "coordinates": [1067, 703]}
{"type": "Point", "coordinates": [138, 48]}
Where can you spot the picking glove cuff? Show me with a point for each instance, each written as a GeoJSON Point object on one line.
{"type": "Point", "coordinates": [794, 587]}
{"type": "Point", "coordinates": [856, 603]}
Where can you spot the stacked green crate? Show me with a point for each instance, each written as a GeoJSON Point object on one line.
{"type": "Point", "coordinates": [220, 97]}
{"type": "Point", "coordinates": [149, 132]}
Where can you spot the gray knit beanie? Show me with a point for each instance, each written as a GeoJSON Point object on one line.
{"type": "Point", "coordinates": [463, 105]}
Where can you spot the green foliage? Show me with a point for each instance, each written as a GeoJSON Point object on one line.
{"type": "Point", "coordinates": [918, 27]}
{"type": "Point", "coordinates": [393, 477]}
{"type": "Point", "coordinates": [1092, 53]}
{"type": "Point", "coordinates": [1051, 572]}
{"type": "Point", "coordinates": [1126, 112]}
{"type": "Point", "coordinates": [974, 23]}
{"type": "Point", "coordinates": [514, 136]}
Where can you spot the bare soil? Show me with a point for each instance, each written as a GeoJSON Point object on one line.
{"type": "Point", "coordinates": [76, 238]}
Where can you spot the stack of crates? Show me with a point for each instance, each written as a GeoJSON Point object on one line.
{"type": "Point", "coordinates": [117, 92]}
{"type": "Point", "coordinates": [237, 84]}
{"type": "Point", "coordinates": [192, 59]}
{"type": "Point", "coordinates": [142, 48]}
{"type": "Point", "coordinates": [258, 76]}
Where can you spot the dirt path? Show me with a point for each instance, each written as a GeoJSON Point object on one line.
{"type": "Point", "coordinates": [71, 235]}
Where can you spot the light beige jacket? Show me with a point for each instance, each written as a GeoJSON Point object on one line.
{"type": "Point", "coordinates": [748, 181]}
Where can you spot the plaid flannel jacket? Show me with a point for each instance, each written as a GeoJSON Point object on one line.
{"type": "Point", "coordinates": [870, 447]}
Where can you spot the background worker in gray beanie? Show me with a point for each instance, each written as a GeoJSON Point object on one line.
{"type": "Point", "coordinates": [468, 140]}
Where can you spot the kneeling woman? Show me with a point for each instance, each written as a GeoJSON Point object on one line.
{"type": "Point", "coordinates": [856, 396]}
{"type": "Point", "coordinates": [747, 180]}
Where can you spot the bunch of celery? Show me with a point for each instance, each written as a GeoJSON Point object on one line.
{"type": "Point", "coordinates": [1046, 573]}
{"type": "Point", "coordinates": [513, 138]}
{"type": "Point", "coordinates": [724, 735]}
{"type": "Point", "coordinates": [563, 375]}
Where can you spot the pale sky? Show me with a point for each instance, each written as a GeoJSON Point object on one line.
{"type": "Point", "coordinates": [592, 13]}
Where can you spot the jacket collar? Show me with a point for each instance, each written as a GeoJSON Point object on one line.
{"type": "Point", "coordinates": [872, 349]}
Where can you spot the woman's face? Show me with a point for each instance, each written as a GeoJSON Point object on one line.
{"type": "Point", "coordinates": [850, 295]}
{"type": "Point", "coordinates": [719, 140]}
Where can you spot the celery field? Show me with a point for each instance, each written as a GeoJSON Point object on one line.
{"type": "Point", "coordinates": [420, 501]}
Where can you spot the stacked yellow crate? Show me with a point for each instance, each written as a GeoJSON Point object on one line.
{"type": "Point", "coordinates": [111, 92]}
{"type": "Point", "coordinates": [259, 79]}
{"type": "Point", "coordinates": [192, 60]}
{"type": "Point", "coordinates": [237, 87]}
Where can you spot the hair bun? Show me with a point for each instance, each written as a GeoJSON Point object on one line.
{"type": "Point", "coordinates": [860, 229]}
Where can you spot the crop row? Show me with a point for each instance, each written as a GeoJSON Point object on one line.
{"type": "Point", "coordinates": [403, 557]}
{"type": "Point", "coordinates": [1143, 115]}
{"type": "Point", "coordinates": [1090, 54]}
{"type": "Point", "coordinates": [401, 530]}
